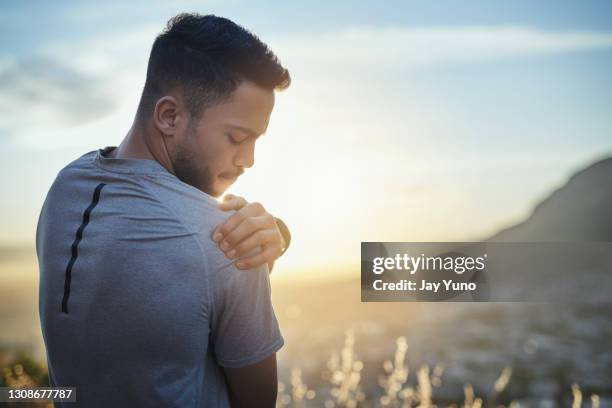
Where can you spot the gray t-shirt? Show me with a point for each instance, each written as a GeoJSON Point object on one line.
{"type": "Point", "coordinates": [138, 306]}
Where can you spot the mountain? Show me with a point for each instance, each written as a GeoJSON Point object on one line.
{"type": "Point", "coordinates": [581, 210]}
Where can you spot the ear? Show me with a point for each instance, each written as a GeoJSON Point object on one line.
{"type": "Point", "coordinates": [165, 115]}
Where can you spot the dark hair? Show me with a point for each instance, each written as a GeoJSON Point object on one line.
{"type": "Point", "coordinates": [206, 58]}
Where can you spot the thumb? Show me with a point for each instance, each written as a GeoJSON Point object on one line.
{"type": "Point", "coordinates": [231, 203]}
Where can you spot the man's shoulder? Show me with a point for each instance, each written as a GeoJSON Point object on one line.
{"type": "Point", "coordinates": [160, 196]}
{"type": "Point", "coordinates": [186, 202]}
{"type": "Point", "coordinates": [199, 213]}
{"type": "Point", "coordinates": [84, 160]}
{"type": "Point", "coordinates": [189, 204]}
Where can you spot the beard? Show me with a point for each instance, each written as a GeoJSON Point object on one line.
{"type": "Point", "coordinates": [192, 170]}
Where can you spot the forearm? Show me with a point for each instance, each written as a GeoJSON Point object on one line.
{"type": "Point", "coordinates": [255, 385]}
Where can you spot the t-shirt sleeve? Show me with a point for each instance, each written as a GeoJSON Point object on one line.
{"type": "Point", "coordinates": [244, 329]}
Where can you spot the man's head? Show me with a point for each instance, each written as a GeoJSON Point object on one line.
{"type": "Point", "coordinates": [208, 95]}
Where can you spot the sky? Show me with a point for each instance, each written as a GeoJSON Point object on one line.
{"type": "Point", "coordinates": [405, 120]}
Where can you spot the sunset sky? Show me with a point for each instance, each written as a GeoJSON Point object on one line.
{"type": "Point", "coordinates": [419, 121]}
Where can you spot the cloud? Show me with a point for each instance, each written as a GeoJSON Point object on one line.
{"type": "Point", "coordinates": [63, 88]}
{"type": "Point", "coordinates": [71, 84]}
{"type": "Point", "coordinates": [369, 46]}
{"type": "Point", "coordinates": [44, 90]}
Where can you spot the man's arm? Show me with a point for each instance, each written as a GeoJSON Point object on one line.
{"type": "Point", "coordinates": [255, 385]}
{"type": "Point", "coordinates": [244, 331]}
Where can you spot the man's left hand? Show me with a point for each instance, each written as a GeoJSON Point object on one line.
{"type": "Point", "coordinates": [249, 228]}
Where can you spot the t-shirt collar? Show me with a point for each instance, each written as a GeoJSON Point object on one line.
{"type": "Point", "coordinates": [127, 165]}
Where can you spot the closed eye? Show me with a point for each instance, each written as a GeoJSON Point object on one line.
{"type": "Point", "coordinates": [233, 140]}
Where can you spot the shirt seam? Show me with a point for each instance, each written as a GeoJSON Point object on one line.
{"type": "Point", "coordinates": [194, 236]}
{"type": "Point", "coordinates": [207, 284]}
{"type": "Point", "coordinates": [206, 260]}
{"type": "Point", "coordinates": [137, 172]}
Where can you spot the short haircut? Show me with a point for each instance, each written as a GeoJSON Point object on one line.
{"type": "Point", "coordinates": [206, 58]}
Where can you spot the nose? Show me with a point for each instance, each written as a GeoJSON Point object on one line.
{"type": "Point", "coordinates": [246, 156]}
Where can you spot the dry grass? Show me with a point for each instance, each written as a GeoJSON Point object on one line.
{"type": "Point", "coordinates": [344, 378]}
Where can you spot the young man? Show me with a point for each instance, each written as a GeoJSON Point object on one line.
{"type": "Point", "coordinates": [149, 294]}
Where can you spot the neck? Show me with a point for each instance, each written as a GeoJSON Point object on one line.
{"type": "Point", "coordinates": [143, 142]}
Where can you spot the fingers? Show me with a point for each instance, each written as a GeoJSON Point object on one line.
{"type": "Point", "coordinates": [248, 211]}
{"type": "Point", "coordinates": [264, 257]}
{"type": "Point", "coordinates": [266, 238]}
{"type": "Point", "coordinates": [249, 228]}
{"type": "Point", "coordinates": [246, 228]}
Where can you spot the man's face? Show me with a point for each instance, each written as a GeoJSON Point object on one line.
{"type": "Point", "coordinates": [214, 151]}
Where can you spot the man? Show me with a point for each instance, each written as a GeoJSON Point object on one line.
{"type": "Point", "coordinates": [150, 296]}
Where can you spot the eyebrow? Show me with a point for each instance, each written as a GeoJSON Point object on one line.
{"type": "Point", "coordinates": [246, 130]}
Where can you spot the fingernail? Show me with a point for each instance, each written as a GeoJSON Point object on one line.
{"type": "Point", "coordinates": [231, 253]}
{"type": "Point", "coordinates": [217, 236]}
{"type": "Point", "coordinates": [224, 245]}
{"type": "Point", "coordinates": [240, 265]}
